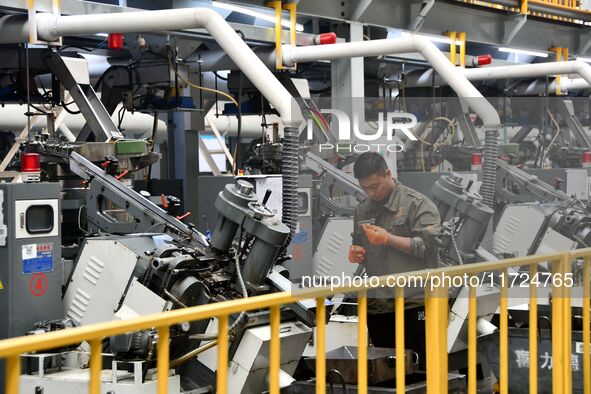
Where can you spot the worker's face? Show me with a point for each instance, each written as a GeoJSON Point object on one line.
{"type": "Point", "coordinates": [377, 187]}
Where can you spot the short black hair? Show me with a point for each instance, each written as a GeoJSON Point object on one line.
{"type": "Point", "coordinates": [369, 163]}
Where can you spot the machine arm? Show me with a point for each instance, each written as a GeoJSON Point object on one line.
{"type": "Point", "coordinates": [147, 215]}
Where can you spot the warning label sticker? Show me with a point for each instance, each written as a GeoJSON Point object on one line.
{"type": "Point", "coordinates": [37, 258]}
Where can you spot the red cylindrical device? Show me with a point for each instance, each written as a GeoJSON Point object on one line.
{"type": "Point", "coordinates": [325, 39]}
{"type": "Point", "coordinates": [481, 60]}
{"type": "Point", "coordinates": [115, 40]}
{"type": "Point", "coordinates": [586, 162]}
{"type": "Point", "coordinates": [30, 162]}
{"type": "Point", "coordinates": [476, 161]}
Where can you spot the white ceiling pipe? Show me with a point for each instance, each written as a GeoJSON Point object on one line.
{"type": "Point", "coordinates": [12, 118]}
{"type": "Point", "coordinates": [530, 71]}
{"type": "Point", "coordinates": [449, 73]}
{"type": "Point", "coordinates": [583, 69]}
{"type": "Point", "coordinates": [539, 86]}
{"type": "Point", "coordinates": [50, 27]}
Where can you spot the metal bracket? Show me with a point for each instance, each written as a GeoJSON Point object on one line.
{"type": "Point", "coordinates": [148, 215]}
{"type": "Point", "coordinates": [98, 119]}
{"type": "Point", "coordinates": [584, 42]}
{"type": "Point", "coordinates": [418, 21]}
{"type": "Point", "coordinates": [511, 26]}
{"type": "Point", "coordinates": [566, 109]}
{"type": "Point", "coordinates": [32, 22]}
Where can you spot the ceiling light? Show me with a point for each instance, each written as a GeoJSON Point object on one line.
{"type": "Point", "coordinates": [256, 14]}
{"type": "Point", "coordinates": [523, 52]}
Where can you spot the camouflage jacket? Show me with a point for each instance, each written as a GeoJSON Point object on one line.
{"type": "Point", "coordinates": [406, 213]}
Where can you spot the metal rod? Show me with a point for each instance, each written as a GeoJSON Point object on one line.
{"type": "Point", "coordinates": [275, 350]}
{"type": "Point", "coordinates": [400, 346]}
{"type": "Point", "coordinates": [163, 347]}
{"type": "Point", "coordinates": [504, 336]}
{"type": "Point", "coordinates": [96, 366]}
{"type": "Point", "coordinates": [472, 314]}
{"type": "Point", "coordinates": [222, 371]}
{"type": "Point", "coordinates": [362, 342]}
{"type": "Point", "coordinates": [533, 331]}
{"type": "Point", "coordinates": [320, 346]}
{"type": "Point", "coordinates": [192, 354]}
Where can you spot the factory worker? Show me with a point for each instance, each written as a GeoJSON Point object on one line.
{"type": "Point", "coordinates": [395, 231]}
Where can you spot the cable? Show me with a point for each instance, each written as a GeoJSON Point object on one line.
{"type": "Point", "coordinates": [205, 89]}
{"type": "Point", "coordinates": [154, 135]}
{"type": "Point", "coordinates": [237, 257]}
{"type": "Point", "coordinates": [211, 90]}
{"type": "Point", "coordinates": [65, 107]}
{"type": "Point", "coordinates": [219, 76]}
{"type": "Point", "coordinates": [451, 125]}
{"type": "Point", "coordinates": [120, 116]}
{"type": "Point", "coordinates": [553, 139]}
{"type": "Point", "coordinates": [239, 133]}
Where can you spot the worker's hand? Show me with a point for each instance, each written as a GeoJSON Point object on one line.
{"type": "Point", "coordinates": [356, 254]}
{"type": "Point", "coordinates": [375, 234]}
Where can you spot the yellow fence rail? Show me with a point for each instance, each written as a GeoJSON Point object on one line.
{"type": "Point", "coordinates": [436, 310]}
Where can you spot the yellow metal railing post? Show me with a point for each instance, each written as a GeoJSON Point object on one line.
{"type": "Point", "coordinates": [362, 342]}
{"type": "Point", "coordinates": [276, 4]}
{"type": "Point", "coordinates": [320, 346]}
{"type": "Point", "coordinates": [504, 336]}
{"type": "Point", "coordinates": [452, 46]}
{"type": "Point", "coordinates": [163, 348]}
{"type": "Point", "coordinates": [558, 54]}
{"type": "Point", "coordinates": [436, 316]}
{"type": "Point", "coordinates": [533, 330]}
{"type": "Point", "coordinates": [96, 366]}
{"type": "Point", "coordinates": [275, 350]}
{"type": "Point", "coordinates": [561, 327]}
{"type": "Point", "coordinates": [524, 7]}
{"type": "Point", "coordinates": [462, 37]}
{"type": "Point", "coordinates": [472, 310]}
{"type": "Point", "coordinates": [400, 345]}
{"type": "Point", "coordinates": [292, 8]}
{"type": "Point", "coordinates": [13, 374]}
{"type": "Point", "coordinates": [222, 371]}
{"type": "Point", "coordinates": [567, 342]}
{"type": "Point", "coordinates": [586, 328]}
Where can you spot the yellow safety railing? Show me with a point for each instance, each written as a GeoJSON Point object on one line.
{"type": "Point", "coordinates": [572, 4]}
{"type": "Point", "coordinates": [436, 316]}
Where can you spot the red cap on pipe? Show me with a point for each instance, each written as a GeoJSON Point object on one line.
{"type": "Point", "coordinates": [325, 39]}
{"type": "Point", "coordinates": [30, 162]}
{"type": "Point", "coordinates": [482, 60]}
{"type": "Point", "coordinates": [476, 159]}
{"type": "Point", "coordinates": [586, 159]}
{"type": "Point", "coordinates": [115, 41]}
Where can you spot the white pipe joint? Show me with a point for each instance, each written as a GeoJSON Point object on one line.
{"type": "Point", "coordinates": [449, 73]}
{"type": "Point", "coordinates": [50, 27]}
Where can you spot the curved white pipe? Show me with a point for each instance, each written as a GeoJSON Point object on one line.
{"type": "Point", "coordinates": [430, 52]}
{"type": "Point", "coordinates": [50, 27]}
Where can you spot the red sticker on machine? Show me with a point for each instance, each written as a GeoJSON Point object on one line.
{"type": "Point", "coordinates": [38, 284]}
